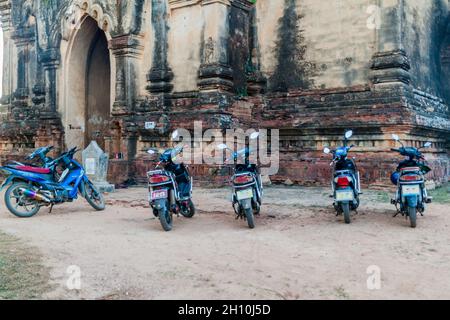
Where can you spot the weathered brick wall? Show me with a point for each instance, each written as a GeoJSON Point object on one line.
{"type": "Point", "coordinates": [424, 35]}
{"type": "Point", "coordinates": [338, 44]}
{"type": "Point", "coordinates": [311, 69]}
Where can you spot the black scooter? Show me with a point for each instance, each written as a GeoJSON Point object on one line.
{"type": "Point", "coordinates": [247, 185]}
{"type": "Point", "coordinates": [411, 195]}
{"type": "Point", "coordinates": [346, 181]}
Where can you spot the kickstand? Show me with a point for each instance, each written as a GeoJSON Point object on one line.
{"type": "Point", "coordinates": [51, 208]}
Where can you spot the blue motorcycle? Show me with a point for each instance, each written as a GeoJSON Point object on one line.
{"type": "Point", "coordinates": [411, 196]}
{"type": "Point", "coordinates": [33, 187]}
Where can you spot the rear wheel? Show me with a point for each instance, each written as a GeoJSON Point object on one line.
{"type": "Point", "coordinates": [18, 204]}
{"type": "Point", "coordinates": [412, 213]}
{"type": "Point", "coordinates": [250, 218]}
{"type": "Point", "coordinates": [165, 217]}
{"type": "Point", "coordinates": [346, 212]}
{"type": "Point", "coordinates": [94, 197]}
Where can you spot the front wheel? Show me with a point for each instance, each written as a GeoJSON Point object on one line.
{"type": "Point", "coordinates": [189, 211]}
{"type": "Point", "coordinates": [412, 213]}
{"type": "Point", "coordinates": [94, 197]}
{"type": "Point", "coordinates": [346, 212]}
{"type": "Point", "coordinates": [18, 204]}
{"type": "Point", "coordinates": [250, 218]}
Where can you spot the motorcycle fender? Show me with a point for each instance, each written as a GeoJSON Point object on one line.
{"type": "Point", "coordinates": [7, 182]}
{"type": "Point", "coordinates": [412, 201]}
{"type": "Point", "coordinates": [159, 204]}
{"type": "Point", "coordinates": [246, 204]}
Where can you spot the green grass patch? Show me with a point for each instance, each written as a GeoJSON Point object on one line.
{"type": "Point", "coordinates": [384, 197]}
{"type": "Point", "coordinates": [442, 194]}
{"type": "Point", "coordinates": [22, 275]}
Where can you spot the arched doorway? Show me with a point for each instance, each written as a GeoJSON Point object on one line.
{"type": "Point", "coordinates": [88, 86]}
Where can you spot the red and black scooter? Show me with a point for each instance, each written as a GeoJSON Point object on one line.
{"type": "Point", "coordinates": [170, 187]}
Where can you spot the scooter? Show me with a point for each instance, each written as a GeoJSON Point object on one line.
{"type": "Point", "coordinates": [31, 187]}
{"type": "Point", "coordinates": [170, 187]}
{"type": "Point", "coordinates": [346, 180]}
{"type": "Point", "coordinates": [411, 196]}
{"type": "Point", "coordinates": [247, 185]}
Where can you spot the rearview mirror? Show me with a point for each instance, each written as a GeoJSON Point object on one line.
{"type": "Point", "coordinates": [151, 151]}
{"type": "Point", "coordinates": [254, 135]}
{"type": "Point", "coordinates": [175, 135]}
{"type": "Point", "coordinates": [428, 145]}
{"type": "Point", "coordinates": [327, 151]}
{"type": "Point", "coordinates": [395, 137]}
{"type": "Point", "coordinates": [349, 134]}
{"type": "Point", "coordinates": [222, 146]}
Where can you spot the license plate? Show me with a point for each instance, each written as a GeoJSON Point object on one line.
{"type": "Point", "coordinates": [345, 196]}
{"type": "Point", "coordinates": [159, 194]}
{"type": "Point", "coordinates": [244, 194]}
{"type": "Point", "coordinates": [412, 190]}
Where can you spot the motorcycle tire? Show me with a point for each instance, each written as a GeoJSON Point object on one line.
{"type": "Point", "coordinates": [250, 218]}
{"type": "Point", "coordinates": [94, 197]}
{"type": "Point", "coordinates": [191, 210]}
{"type": "Point", "coordinates": [165, 217]}
{"type": "Point", "coordinates": [257, 210]}
{"type": "Point", "coordinates": [13, 207]}
{"type": "Point", "coordinates": [412, 214]}
{"type": "Point", "coordinates": [346, 212]}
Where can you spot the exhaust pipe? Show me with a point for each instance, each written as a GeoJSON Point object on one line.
{"type": "Point", "coordinates": [34, 195]}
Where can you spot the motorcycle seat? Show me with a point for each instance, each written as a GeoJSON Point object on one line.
{"type": "Point", "coordinates": [34, 169]}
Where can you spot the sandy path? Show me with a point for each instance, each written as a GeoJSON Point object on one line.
{"type": "Point", "coordinates": [299, 249]}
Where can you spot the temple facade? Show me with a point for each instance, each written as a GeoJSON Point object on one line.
{"type": "Point", "coordinates": [126, 73]}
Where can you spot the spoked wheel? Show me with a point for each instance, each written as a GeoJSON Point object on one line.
{"type": "Point", "coordinates": [346, 212]}
{"type": "Point", "coordinates": [189, 211]}
{"type": "Point", "coordinates": [94, 197]}
{"type": "Point", "coordinates": [18, 204]}
{"type": "Point", "coordinates": [412, 213]}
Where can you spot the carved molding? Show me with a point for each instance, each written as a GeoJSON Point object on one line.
{"type": "Point", "coordinates": [5, 14]}
{"type": "Point", "coordinates": [177, 4]}
{"type": "Point", "coordinates": [127, 45]}
{"type": "Point", "coordinates": [391, 66]}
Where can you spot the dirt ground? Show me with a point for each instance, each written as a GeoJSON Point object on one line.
{"type": "Point", "coordinates": [299, 249]}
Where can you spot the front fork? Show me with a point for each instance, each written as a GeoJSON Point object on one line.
{"type": "Point", "coordinates": [7, 182]}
